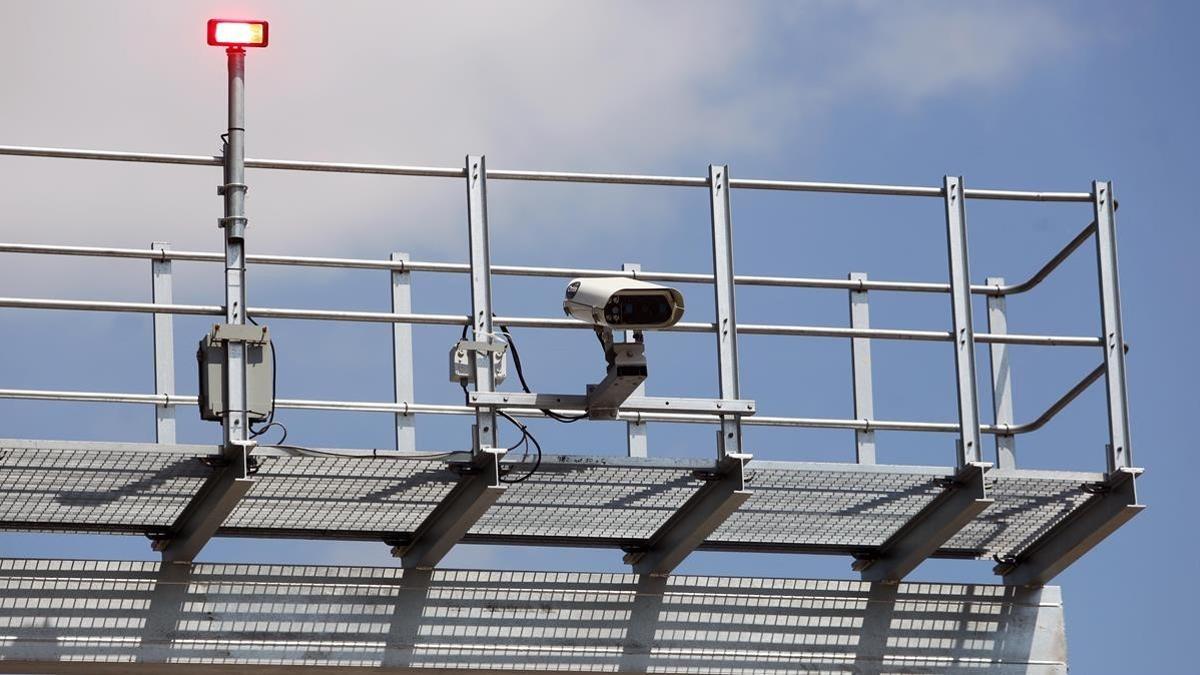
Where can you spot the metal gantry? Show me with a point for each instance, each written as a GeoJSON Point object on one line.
{"type": "Point", "coordinates": [707, 514]}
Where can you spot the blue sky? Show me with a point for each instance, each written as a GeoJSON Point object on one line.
{"type": "Point", "coordinates": [1013, 95]}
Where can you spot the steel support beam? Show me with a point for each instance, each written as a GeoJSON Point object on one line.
{"type": "Point", "coordinates": [402, 356]}
{"type": "Point", "coordinates": [860, 369]}
{"type": "Point", "coordinates": [723, 492]}
{"type": "Point", "coordinates": [1113, 504]}
{"type": "Point", "coordinates": [964, 497]}
{"type": "Point", "coordinates": [458, 511]}
{"type": "Point", "coordinates": [480, 485]}
{"type": "Point", "coordinates": [1120, 454]}
{"type": "Point", "coordinates": [204, 515]}
{"type": "Point", "coordinates": [963, 332]}
{"type": "Point", "coordinates": [1002, 401]}
{"type": "Point", "coordinates": [164, 345]}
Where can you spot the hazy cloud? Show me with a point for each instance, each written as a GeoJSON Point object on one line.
{"type": "Point", "coordinates": [612, 86]}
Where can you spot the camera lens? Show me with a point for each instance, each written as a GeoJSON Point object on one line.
{"type": "Point", "coordinates": [639, 310]}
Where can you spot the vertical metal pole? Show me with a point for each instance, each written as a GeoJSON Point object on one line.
{"type": "Point", "coordinates": [1120, 454]}
{"type": "Point", "coordinates": [402, 355]}
{"type": "Point", "coordinates": [481, 295]}
{"type": "Point", "coordinates": [636, 431]}
{"type": "Point", "coordinates": [727, 353]}
{"type": "Point", "coordinates": [860, 367]}
{"type": "Point", "coordinates": [964, 333]}
{"type": "Point", "coordinates": [236, 422]}
{"type": "Point", "coordinates": [164, 346]}
{"type": "Point", "coordinates": [1002, 402]}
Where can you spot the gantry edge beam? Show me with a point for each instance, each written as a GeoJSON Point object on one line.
{"type": "Point", "coordinates": [1113, 504]}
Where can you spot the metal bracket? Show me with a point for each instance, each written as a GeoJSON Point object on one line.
{"type": "Point", "coordinates": [217, 498]}
{"type": "Point", "coordinates": [626, 372]}
{"type": "Point", "coordinates": [478, 488]}
{"type": "Point", "coordinates": [961, 500]}
{"type": "Point", "coordinates": [633, 404]}
{"type": "Point", "coordinates": [464, 353]}
{"type": "Point", "coordinates": [248, 333]}
{"type": "Point", "coordinates": [1111, 505]}
{"type": "Point", "coordinates": [721, 495]}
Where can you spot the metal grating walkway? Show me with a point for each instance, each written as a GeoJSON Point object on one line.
{"type": "Point", "coordinates": [572, 500]}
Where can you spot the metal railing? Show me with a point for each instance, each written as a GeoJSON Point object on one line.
{"type": "Point", "coordinates": [858, 286]}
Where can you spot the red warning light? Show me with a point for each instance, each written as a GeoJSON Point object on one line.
{"type": "Point", "coordinates": [233, 33]}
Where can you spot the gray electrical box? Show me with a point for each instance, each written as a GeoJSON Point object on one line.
{"type": "Point", "coordinates": [260, 374]}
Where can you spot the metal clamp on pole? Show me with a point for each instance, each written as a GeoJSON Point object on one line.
{"type": "Point", "coordinates": [465, 353]}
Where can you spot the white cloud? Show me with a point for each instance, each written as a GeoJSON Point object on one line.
{"type": "Point", "coordinates": [910, 52]}
{"type": "Point", "coordinates": [637, 87]}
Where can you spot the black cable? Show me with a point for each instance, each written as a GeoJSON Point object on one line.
{"type": "Point", "coordinates": [263, 430]}
{"type": "Point", "coordinates": [270, 421]}
{"type": "Point", "coordinates": [526, 438]}
{"type": "Point", "coordinates": [512, 345]}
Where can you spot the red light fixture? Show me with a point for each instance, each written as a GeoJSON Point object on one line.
{"type": "Point", "coordinates": [237, 33]}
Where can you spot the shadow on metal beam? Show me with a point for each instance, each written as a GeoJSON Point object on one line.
{"type": "Point", "coordinates": [203, 516]}
{"type": "Point", "coordinates": [476, 491]}
{"type": "Point", "coordinates": [964, 497]}
{"type": "Point", "coordinates": [686, 529]}
{"type": "Point", "coordinates": [1113, 503]}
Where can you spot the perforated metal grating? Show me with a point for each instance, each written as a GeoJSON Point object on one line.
{"type": "Point", "coordinates": [242, 614]}
{"type": "Point", "coordinates": [335, 494]}
{"type": "Point", "coordinates": [128, 490]}
{"type": "Point", "coordinates": [598, 501]}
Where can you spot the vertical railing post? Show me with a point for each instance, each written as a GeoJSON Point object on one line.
{"type": "Point", "coordinates": [481, 297]}
{"type": "Point", "coordinates": [402, 354]}
{"type": "Point", "coordinates": [1002, 401]}
{"type": "Point", "coordinates": [726, 316]}
{"type": "Point", "coordinates": [860, 367]}
{"type": "Point", "coordinates": [164, 346]}
{"type": "Point", "coordinates": [637, 443]}
{"type": "Point", "coordinates": [963, 331]}
{"type": "Point", "coordinates": [1120, 454]}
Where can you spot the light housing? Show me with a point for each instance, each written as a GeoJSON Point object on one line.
{"type": "Point", "coordinates": [237, 33]}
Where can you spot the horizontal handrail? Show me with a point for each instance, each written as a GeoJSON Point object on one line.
{"type": "Point", "coordinates": [540, 322]}
{"type": "Point", "coordinates": [555, 176]}
{"type": "Point", "coordinates": [409, 408]}
{"type": "Point", "coordinates": [558, 272]}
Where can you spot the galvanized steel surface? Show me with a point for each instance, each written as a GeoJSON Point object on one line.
{"type": "Point", "coordinates": [82, 616]}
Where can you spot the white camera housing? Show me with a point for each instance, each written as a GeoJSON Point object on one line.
{"type": "Point", "coordinates": [621, 303]}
